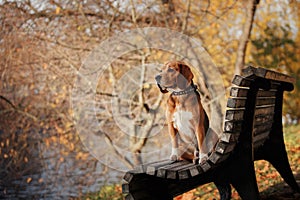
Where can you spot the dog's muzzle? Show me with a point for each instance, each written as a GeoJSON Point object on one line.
{"type": "Point", "coordinates": [158, 79]}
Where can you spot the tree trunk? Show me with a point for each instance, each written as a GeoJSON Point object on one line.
{"type": "Point", "coordinates": [241, 51]}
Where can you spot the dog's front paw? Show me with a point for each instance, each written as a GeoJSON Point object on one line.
{"type": "Point", "coordinates": [174, 156]}
{"type": "Point", "coordinates": [203, 157]}
{"type": "Point", "coordinates": [196, 157]}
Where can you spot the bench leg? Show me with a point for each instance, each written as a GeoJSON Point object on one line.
{"type": "Point", "coordinates": [224, 190]}
{"type": "Point", "coordinates": [244, 180]}
{"type": "Point", "coordinates": [146, 187]}
{"type": "Point", "coordinates": [276, 154]}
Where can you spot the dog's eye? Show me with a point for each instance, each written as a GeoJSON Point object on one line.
{"type": "Point", "coordinates": [170, 70]}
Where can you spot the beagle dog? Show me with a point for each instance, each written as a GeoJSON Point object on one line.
{"type": "Point", "coordinates": [186, 118]}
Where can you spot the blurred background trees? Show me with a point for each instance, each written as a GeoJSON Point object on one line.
{"type": "Point", "coordinates": [44, 43]}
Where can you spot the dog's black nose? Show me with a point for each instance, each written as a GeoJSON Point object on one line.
{"type": "Point", "coordinates": [157, 78]}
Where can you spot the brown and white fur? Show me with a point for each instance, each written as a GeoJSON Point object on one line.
{"type": "Point", "coordinates": [186, 118]}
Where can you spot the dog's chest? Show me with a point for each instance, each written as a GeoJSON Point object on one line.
{"type": "Point", "coordinates": [182, 122]}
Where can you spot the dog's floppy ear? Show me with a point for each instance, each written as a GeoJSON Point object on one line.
{"type": "Point", "coordinates": [185, 77]}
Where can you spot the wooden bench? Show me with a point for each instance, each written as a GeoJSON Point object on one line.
{"type": "Point", "coordinates": [252, 131]}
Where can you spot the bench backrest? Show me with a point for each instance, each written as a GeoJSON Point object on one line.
{"type": "Point", "coordinates": [254, 109]}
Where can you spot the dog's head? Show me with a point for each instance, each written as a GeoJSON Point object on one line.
{"type": "Point", "coordinates": [174, 75]}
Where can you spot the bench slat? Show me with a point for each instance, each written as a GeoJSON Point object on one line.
{"type": "Point", "coordinates": [162, 172]}
{"type": "Point", "coordinates": [261, 123]}
{"type": "Point", "coordinates": [238, 102]}
{"type": "Point", "coordinates": [205, 166]}
{"type": "Point", "coordinates": [262, 128]}
{"type": "Point", "coordinates": [234, 114]}
{"type": "Point", "coordinates": [260, 101]}
{"type": "Point", "coordinates": [184, 172]}
{"type": "Point", "coordinates": [263, 110]}
{"type": "Point", "coordinates": [229, 137]}
{"type": "Point", "coordinates": [260, 139]}
{"type": "Point", "coordinates": [263, 135]}
{"type": "Point", "coordinates": [241, 81]}
{"type": "Point", "coordinates": [195, 170]}
{"type": "Point", "coordinates": [269, 74]}
{"type": "Point", "coordinates": [152, 167]}
{"type": "Point", "coordinates": [125, 188]}
{"type": "Point", "coordinates": [261, 119]}
{"type": "Point", "coordinates": [224, 148]}
{"type": "Point", "coordinates": [233, 126]}
{"type": "Point", "coordinates": [266, 93]}
{"type": "Point", "coordinates": [217, 158]}
{"type": "Point", "coordinates": [238, 92]}
{"type": "Point", "coordinates": [129, 175]}
{"type": "Point", "coordinates": [242, 92]}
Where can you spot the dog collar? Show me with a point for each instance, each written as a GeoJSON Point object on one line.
{"type": "Point", "coordinates": [190, 89]}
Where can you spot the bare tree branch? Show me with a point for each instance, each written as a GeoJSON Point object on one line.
{"type": "Point", "coordinates": [186, 17]}
{"type": "Point", "coordinates": [241, 51]}
{"type": "Point", "coordinates": [120, 155]}
{"type": "Point", "coordinates": [14, 108]}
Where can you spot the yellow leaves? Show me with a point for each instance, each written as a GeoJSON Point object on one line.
{"type": "Point", "coordinates": [59, 129]}
{"type": "Point", "coordinates": [57, 10]}
{"type": "Point", "coordinates": [47, 142]}
{"type": "Point", "coordinates": [7, 142]}
{"type": "Point", "coordinates": [41, 180]}
{"type": "Point", "coordinates": [82, 156]}
{"type": "Point", "coordinates": [112, 192]}
{"type": "Point", "coordinates": [52, 105]}
{"type": "Point", "coordinates": [7, 150]}
{"type": "Point", "coordinates": [72, 146]}
{"type": "Point", "coordinates": [186, 196]}
{"type": "Point", "coordinates": [146, 85]}
{"type": "Point", "coordinates": [45, 65]}
{"type": "Point", "coordinates": [61, 159]}
{"type": "Point", "coordinates": [28, 180]}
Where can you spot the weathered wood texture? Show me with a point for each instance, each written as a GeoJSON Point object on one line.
{"type": "Point", "coordinates": [252, 131]}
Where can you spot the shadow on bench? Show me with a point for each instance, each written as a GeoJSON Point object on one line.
{"type": "Point", "coordinates": [252, 131]}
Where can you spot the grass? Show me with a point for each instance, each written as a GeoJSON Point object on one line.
{"type": "Point", "coordinates": [108, 192]}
